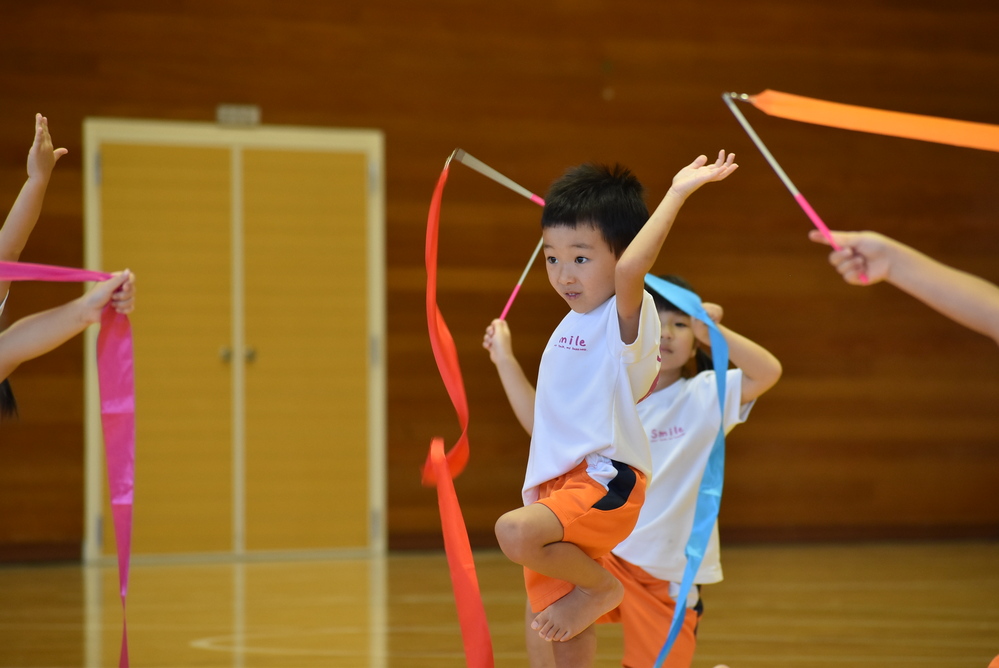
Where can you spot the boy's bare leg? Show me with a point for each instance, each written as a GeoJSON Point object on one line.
{"type": "Point", "coordinates": [530, 536]}
{"type": "Point", "coordinates": [539, 650]}
{"type": "Point", "coordinates": [596, 593]}
{"type": "Point", "coordinates": [580, 651]}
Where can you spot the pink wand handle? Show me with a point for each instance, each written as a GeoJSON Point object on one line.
{"type": "Point", "coordinates": [509, 302]}
{"type": "Point", "coordinates": [821, 226]}
{"type": "Point", "coordinates": [814, 217]}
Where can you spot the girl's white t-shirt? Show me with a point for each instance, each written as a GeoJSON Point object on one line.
{"type": "Point", "coordinates": [589, 382]}
{"type": "Point", "coordinates": [681, 422]}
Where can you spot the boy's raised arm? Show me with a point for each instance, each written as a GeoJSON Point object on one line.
{"type": "Point", "coordinates": [637, 259]}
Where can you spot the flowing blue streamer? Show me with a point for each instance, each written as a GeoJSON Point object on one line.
{"type": "Point", "coordinates": [710, 491]}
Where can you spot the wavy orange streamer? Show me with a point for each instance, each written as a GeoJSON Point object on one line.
{"type": "Point", "coordinates": [441, 469]}
{"type": "Point", "coordinates": [878, 121]}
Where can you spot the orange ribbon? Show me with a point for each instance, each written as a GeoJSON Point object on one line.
{"type": "Point", "coordinates": [441, 469]}
{"type": "Point", "coordinates": [877, 121]}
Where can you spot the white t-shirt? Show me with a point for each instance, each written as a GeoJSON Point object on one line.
{"type": "Point", "coordinates": [682, 422]}
{"type": "Point", "coordinates": [4, 302]}
{"type": "Point", "coordinates": [588, 384]}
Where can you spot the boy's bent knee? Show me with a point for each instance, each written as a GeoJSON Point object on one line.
{"type": "Point", "coordinates": [523, 532]}
{"type": "Point", "coordinates": [511, 535]}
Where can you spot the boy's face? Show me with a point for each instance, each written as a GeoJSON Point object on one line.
{"type": "Point", "coordinates": [580, 265]}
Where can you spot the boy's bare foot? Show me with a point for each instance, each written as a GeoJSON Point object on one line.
{"type": "Point", "coordinates": [577, 610]}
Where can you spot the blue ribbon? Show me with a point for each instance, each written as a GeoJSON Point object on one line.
{"type": "Point", "coordinates": [710, 491]}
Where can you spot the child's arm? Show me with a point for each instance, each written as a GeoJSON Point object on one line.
{"type": "Point", "coordinates": [519, 391]}
{"type": "Point", "coordinates": [962, 297]}
{"type": "Point", "coordinates": [37, 334]}
{"type": "Point", "coordinates": [760, 369]}
{"type": "Point", "coordinates": [24, 213]}
{"type": "Point", "coordinates": [637, 259]}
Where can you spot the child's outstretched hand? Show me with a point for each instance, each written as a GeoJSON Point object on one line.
{"type": "Point", "coordinates": [118, 291]}
{"type": "Point", "coordinates": [701, 331]}
{"type": "Point", "coordinates": [699, 172]}
{"type": "Point", "coordinates": [497, 341]}
{"type": "Point", "coordinates": [864, 257]}
{"type": "Point", "coordinates": [41, 157]}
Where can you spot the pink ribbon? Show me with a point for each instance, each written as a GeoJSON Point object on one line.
{"type": "Point", "coordinates": [116, 378]}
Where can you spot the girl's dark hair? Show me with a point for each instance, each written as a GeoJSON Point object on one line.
{"type": "Point", "coordinates": [8, 406]}
{"type": "Point", "coordinates": [609, 198]}
{"type": "Point", "coordinates": [702, 359]}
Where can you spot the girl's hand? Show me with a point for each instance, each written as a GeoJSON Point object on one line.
{"type": "Point", "coordinates": [701, 331]}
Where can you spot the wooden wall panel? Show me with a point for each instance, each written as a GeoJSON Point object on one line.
{"type": "Point", "coordinates": [884, 423]}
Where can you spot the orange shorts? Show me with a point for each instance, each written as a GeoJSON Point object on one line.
{"type": "Point", "coordinates": [646, 614]}
{"type": "Point", "coordinates": [593, 518]}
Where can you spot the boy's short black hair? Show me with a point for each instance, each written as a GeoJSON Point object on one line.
{"type": "Point", "coordinates": [609, 198]}
{"type": "Point", "coordinates": [702, 361]}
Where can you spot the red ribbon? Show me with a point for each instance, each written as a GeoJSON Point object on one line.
{"type": "Point", "coordinates": [116, 378]}
{"type": "Point", "coordinates": [441, 469]}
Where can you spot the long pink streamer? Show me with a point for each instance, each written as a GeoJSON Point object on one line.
{"type": "Point", "coordinates": [116, 378]}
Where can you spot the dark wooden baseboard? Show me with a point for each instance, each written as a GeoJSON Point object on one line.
{"type": "Point", "coordinates": [13, 553]}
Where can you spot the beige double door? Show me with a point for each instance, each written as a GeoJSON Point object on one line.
{"type": "Point", "coordinates": [258, 334]}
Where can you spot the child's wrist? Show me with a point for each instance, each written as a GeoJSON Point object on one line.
{"type": "Point", "coordinates": [674, 193]}
{"type": "Point", "coordinates": [41, 178]}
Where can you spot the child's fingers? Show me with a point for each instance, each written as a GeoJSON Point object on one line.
{"type": "Point", "coordinates": [851, 266]}
{"type": "Point", "coordinates": [818, 237]}
{"type": "Point", "coordinates": [699, 161]}
{"type": "Point", "coordinates": [123, 296]}
{"type": "Point", "coordinates": [841, 239]}
{"type": "Point", "coordinates": [714, 311]}
{"type": "Point", "coordinates": [723, 166]}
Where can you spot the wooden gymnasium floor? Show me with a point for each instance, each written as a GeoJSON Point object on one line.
{"type": "Point", "coordinates": [922, 605]}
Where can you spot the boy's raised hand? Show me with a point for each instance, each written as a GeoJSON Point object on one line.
{"type": "Point", "coordinates": [699, 172]}
{"type": "Point", "coordinates": [42, 157]}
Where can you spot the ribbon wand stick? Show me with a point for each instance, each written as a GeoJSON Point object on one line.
{"type": "Point", "coordinates": [491, 173]}
{"type": "Point", "coordinates": [798, 197]}
{"type": "Point", "coordinates": [516, 288]}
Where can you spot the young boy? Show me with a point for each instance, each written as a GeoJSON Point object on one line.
{"type": "Point", "coordinates": [589, 455]}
